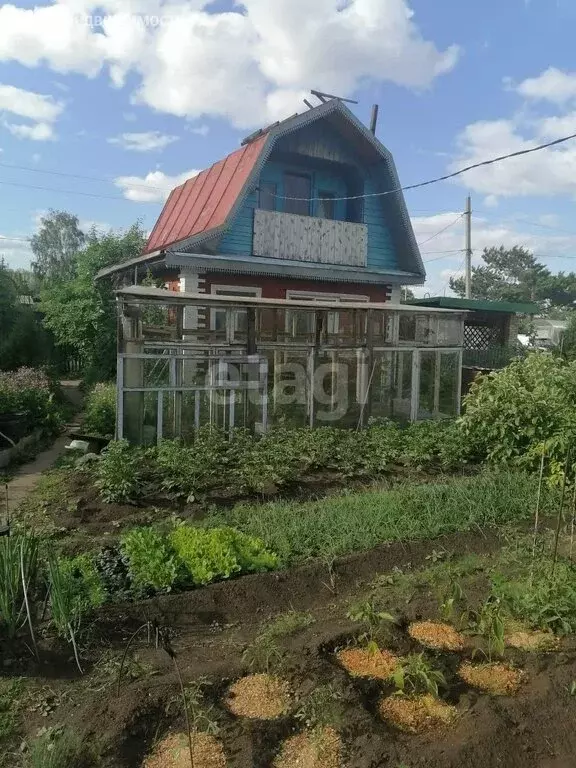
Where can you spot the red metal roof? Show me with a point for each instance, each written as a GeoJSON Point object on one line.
{"type": "Point", "coordinates": [204, 202]}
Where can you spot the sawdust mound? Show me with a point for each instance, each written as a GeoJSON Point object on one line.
{"type": "Point", "coordinates": [527, 640]}
{"type": "Point", "coordinates": [496, 678]}
{"type": "Point", "coordinates": [320, 749]}
{"type": "Point", "coordinates": [416, 714]}
{"type": "Point", "coordinates": [261, 697]}
{"type": "Point", "coordinates": [361, 662]}
{"type": "Point", "coordinates": [437, 635]}
{"type": "Point", "coordinates": [173, 752]}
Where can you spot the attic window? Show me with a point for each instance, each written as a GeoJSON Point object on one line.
{"type": "Point", "coordinates": [299, 188]}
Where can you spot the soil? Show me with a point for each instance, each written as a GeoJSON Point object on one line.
{"type": "Point", "coordinates": [211, 627]}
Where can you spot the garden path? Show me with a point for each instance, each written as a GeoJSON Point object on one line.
{"type": "Point", "coordinates": [27, 475]}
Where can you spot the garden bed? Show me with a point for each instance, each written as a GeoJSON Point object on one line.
{"type": "Point", "coordinates": [215, 629]}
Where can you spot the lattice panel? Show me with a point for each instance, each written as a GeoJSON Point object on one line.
{"type": "Point", "coordinates": [480, 337]}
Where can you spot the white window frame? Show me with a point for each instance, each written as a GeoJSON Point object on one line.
{"type": "Point", "coordinates": [232, 290]}
{"type": "Point", "coordinates": [319, 297]}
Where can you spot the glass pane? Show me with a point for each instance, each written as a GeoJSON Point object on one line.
{"type": "Point", "coordinates": [300, 188]}
{"type": "Point", "coordinates": [326, 206]}
{"type": "Point", "coordinates": [429, 381]}
{"type": "Point", "coordinates": [407, 327]}
{"type": "Point", "coordinates": [448, 397]}
{"type": "Point", "coordinates": [391, 386]}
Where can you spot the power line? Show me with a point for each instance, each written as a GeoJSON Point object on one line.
{"type": "Point", "coordinates": [51, 172]}
{"type": "Point", "coordinates": [439, 178]}
{"type": "Point", "coordinates": [442, 230]}
{"type": "Point", "coordinates": [438, 258]}
{"type": "Point", "coordinates": [67, 191]}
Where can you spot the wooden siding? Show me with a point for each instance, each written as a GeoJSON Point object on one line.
{"type": "Point", "coordinates": [306, 238]}
{"type": "Point", "coordinates": [319, 141]}
{"type": "Point", "coordinates": [381, 250]}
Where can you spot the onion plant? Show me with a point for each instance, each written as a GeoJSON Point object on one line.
{"type": "Point", "coordinates": [18, 574]}
{"type": "Point", "coordinates": [67, 608]}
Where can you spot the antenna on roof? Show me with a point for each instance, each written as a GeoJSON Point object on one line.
{"type": "Point", "coordinates": [324, 97]}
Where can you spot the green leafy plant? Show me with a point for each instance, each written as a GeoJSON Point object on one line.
{"type": "Point", "coordinates": [416, 675]}
{"type": "Point", "coordinates": [452, 596]}
{"type": "Point", "coordinates": [209, 554]}
{"type": "Point", "coordinates": [75, 590]}
{"type": "Point", "coordinates": [100, 408]}
{"type": "Point", "coordinates": [321, 708]}
{"type": "Point", "coordinates": [152, 562]}
{"type": "Point", "coordinates": [264, 654]}
{"type": "Point", "coordinates": [545, 602]}
{"type": "Point", "coordinates": [120, 472]}
{"type": "Point", "coordinates": [202, 715]}
{"type": "Point", "coordinates": [489, 622]}
{"type": "Point", "coordinates": [366, 613]}
{"type": "Point", "coordinates": [508, 414]}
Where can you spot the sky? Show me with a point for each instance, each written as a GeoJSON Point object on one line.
{"type": "Point", "coordinates": [105, 106]}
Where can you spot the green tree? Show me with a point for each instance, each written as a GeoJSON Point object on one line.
{"type": "Point", "coordinates": [23, 340]}
{"type": "Point", "coordinates": [514, 274]}
{"type": "Point", "coordinates": [507, 274]}
{"type": "Point", "coordinates": [56, 245]}
{"type": "Point", "coordinates": [81, 312]}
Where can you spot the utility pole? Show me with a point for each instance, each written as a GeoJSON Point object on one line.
{"type": "Point", "coordinates": [468, 267]}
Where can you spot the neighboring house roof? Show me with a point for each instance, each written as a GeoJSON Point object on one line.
{"type": "Point", "coordinates": [205, 206]}
{"type": "Point", "coordinates": [480, 305]}
{"type": "Point", "coordinates": [204, 202]}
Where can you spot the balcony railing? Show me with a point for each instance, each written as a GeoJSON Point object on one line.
{"type": "Point", "coordinates": [308, 238]}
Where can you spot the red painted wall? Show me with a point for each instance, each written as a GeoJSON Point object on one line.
{"type": "Point", "coordinates": [275, 288]}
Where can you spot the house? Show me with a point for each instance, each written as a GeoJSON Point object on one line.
{"type": "Point", "coordinates": [306, 209]}
{"type": "Point", "coordinates": [282, 266]}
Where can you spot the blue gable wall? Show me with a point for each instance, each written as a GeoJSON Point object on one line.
{"type": "Point", "coordinates": [318, 150]}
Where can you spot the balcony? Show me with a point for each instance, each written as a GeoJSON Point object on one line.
{"type": "Point", "coordinates": [308, 238]}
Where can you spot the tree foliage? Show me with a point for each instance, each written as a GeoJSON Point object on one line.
{"type": "Point", "coordinates": [56, 244]}
{"type": "Point", "coordinates": [23, 340]}
{"type": "Point", "coordinates": [511, 414]}
{"type": "Point", "coordinates": [514, 274]}
{"type": "Point", "coordinates": [81, 312]}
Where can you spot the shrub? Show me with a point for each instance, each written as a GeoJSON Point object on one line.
{"type": "Point", "coordinates": [120, 472]}
{"type": "Point", "coordinates": [217, 553]}
{"type": "Point", "coordinates": [510, 413]}
{"type": "Point", "coordinates": [152, 562]}
{"type": "Point", "coordinates": [101, 410]}
{"type": "Point", "coordinates": [30, 391]}
{"type": "Point", "coordinates": [545, 602]}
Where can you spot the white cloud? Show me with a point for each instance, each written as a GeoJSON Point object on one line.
{"type": "Point", "coordinates": [152, 188]}
{"type": "Point", "coordinates": [547, 172]}
{"type": "Point", "coordinates": [34, 106]}
{"type": "Point", "coordinates": [200, 130]}
{"type": "Point", "coordinates": [552, 85]}
{"type": "Point", "coordinates": [15, 250]}
{"type": "Point", "coordinates": [143, 142]}
{"type": "Point", "coordinates": [43, 110]}
{"type": "Point", "coordinates": [35, 132]}
{"type": "Point", "coordinates": [251, 64]}
{"type": "Point", "coordinates": [444, 255]}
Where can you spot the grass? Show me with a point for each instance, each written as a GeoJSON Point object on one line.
{"type": "Point", "coordinates": [10, 718]}
{"type": "Point", "coordinates": [60, 748]}
{"type": "Point", "coordinates": [356, 522]}
{"type": "Point", "coordinates": [287, 624]}
{"type": "Point", "coordinates": [53, 492]}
